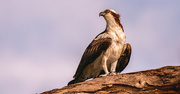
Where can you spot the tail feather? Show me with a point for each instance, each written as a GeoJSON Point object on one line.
{"type": "Point", "coordinates": [71, 82]}
{"type": "Point", "coordinates": [76, 80]}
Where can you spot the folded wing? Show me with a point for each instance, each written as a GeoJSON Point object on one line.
{"type": "Point", "coordinates": [124, 58]}
{"type": "Point", "coordinates": [95, 48]}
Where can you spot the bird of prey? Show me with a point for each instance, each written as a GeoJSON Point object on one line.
{"type": "Point", "coordinates": [107, 54]}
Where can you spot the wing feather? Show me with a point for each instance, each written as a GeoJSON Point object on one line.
{"type": "Point", "coordinates": [95, 48]}
{"type": "Point", "coordinates": [124, 58]}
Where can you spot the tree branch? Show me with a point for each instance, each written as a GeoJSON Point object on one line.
{"type": "Point", "coordinates": [162, 80]}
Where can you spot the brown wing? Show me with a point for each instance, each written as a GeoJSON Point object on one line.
{"type": "Point", "coordinates": [95, 48]}
{"type": "Point", "coordinates": [124, 58]}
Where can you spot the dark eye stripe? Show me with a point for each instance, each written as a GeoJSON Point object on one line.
{"type": "Point", "coordinates": [117, 19]}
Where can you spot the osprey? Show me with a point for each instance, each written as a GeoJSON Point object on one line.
{"type": "Point", "coordinates": [107, 53]}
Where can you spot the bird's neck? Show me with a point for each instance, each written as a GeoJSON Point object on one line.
{"type": "Point", "coordinates": [111, 24]}
{"type": "Point", "coordinates": [115, 29]}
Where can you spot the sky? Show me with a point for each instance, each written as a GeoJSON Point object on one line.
{"type": "Point", "coordinates": [42, 41]}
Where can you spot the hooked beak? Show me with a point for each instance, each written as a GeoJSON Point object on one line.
{"type": "Point", "coordinates": [102, 14]}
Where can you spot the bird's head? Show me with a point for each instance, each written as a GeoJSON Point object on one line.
{"type": "Point", "coordinates": [110, 16]}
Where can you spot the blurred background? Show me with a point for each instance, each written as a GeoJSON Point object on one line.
{"type": "Point", "coordinates": [42, 41]}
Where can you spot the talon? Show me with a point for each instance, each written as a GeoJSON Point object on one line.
{"type": "Point", "coordinates": [118, 73]}
{"type": "Point", "coordinates": [113, 73]}
{"type": "Point", "coordinates": [102, 75]}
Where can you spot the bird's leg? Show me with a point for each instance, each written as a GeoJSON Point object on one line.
{"type": "Point", "coordinates": [113, 68]}
{"type": "Point", "coordinates": [104, 65]}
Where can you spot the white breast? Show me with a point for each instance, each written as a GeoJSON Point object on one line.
{"type": "Point", "coordinates": [114, 51]}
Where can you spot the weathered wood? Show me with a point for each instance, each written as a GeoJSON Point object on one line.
{"type": "Point", "coordinates": [162, 80]}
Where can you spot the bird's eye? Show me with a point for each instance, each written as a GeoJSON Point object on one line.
{"type": "Point", "coordinates": [107, 11]}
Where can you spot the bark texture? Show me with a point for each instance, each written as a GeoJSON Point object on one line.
{"type": "Point", "coordinates": [155, 81]}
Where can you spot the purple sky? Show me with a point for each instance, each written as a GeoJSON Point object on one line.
{"type": "Point", "coordinates": [42, 41]}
